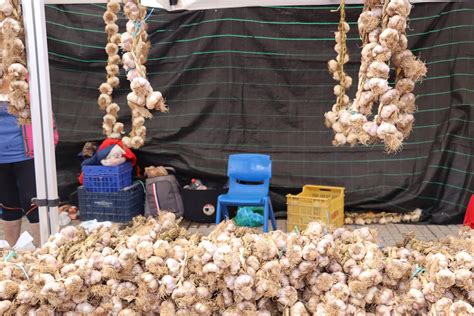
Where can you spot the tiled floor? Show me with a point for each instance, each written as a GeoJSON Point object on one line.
{"type": "Point", "coordinates": [388, 234]}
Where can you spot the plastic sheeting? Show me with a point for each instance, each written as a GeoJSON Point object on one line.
{"type": "Point", "coordinates": [255, 80]}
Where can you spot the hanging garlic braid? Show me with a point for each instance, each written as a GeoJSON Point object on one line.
{"type": "Point", "coordinates": [135, 44]}
{"type": "Point", "coordinates": [382, 28]}
{"type": "Point", "coordinates": [110, 126]}
{"type": "Point", "coordinates": [13, 60]}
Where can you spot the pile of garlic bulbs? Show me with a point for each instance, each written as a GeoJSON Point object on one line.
{"type": "Point", "coordinates": [367, 218]}
{"type": "Point", "coordinates": [154, 266]}
{"type": "Point", "coordinates": [13, 59]}
{"type": "Point", "coordinates": [135, 45]}
{"type": "Point", "coordinates": [382, 28]}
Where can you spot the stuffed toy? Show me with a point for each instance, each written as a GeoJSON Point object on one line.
{"type": "Point", "coordinates": [89, 149]}
{"type": "Point", "coordinates": [115, 157]}
{"type": "Point", "coordinates": [153, 172]}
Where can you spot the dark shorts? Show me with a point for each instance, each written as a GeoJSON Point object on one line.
{"type": "Point", "coordinates": [17, 188]}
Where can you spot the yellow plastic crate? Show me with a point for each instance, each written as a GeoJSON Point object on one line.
{"type": "Point", "coordinates": [315, 203]}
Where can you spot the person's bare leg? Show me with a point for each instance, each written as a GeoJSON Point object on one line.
{"type": "Point", "coordinates": [35, 233]}
{"type": "Point", "coordinates": [12, 231]}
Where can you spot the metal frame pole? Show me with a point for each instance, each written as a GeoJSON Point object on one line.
{"type": "Point", "coordinates": [41, 111]}
{"type": "Point", "coordinates": [41, 116]}
{"type": "Point", "coordinates": [47, 115]}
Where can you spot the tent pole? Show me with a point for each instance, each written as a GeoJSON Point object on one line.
{"type": "Point", "coordinates": [41, 116]}
{"type": "Point", "coordinates": [35, 101]}
{"type": "Point", "coordinates": [46, 115]}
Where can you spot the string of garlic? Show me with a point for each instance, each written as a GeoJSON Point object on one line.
{"type": "Point", "coordinates": [110, 126]}
{"type": "Point", "coordinates": [367, 218]}
{"type": "Point", "coordinates": [14, 60]}
{"type": "Point", "coordinates": [382, 28]}
{"type": "Point", "coordinates": [142, 99]}
{"type": "Point", "coordinates": [336, 68]}
{"type": "Point", "coordinates": [409, 69]}
{"type": "Point", "coordinates": [134, 42]}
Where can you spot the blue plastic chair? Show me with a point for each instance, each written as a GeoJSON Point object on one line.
{"type": "Point", "coordinates": [249, 182]}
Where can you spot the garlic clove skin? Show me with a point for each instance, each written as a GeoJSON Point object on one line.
{"type": "Point", "coordinates": [5, 306]}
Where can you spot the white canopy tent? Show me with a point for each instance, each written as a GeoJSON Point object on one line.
{"type": "Point", "coordinates": [40, 90]}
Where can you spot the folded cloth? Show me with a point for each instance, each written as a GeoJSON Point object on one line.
{"type": "Point", "coordinates": [98, 156]}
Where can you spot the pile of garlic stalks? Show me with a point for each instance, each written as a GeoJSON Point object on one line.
{"type": "Point", "coordinates": [368, 218]}
{"type": "Point", "coordinates": [155, 266]}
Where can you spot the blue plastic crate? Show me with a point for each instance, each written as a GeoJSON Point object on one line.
{"type": "Point", "coordinates": [107, 179]}
{"type": "Point", "coordinates": [119, 207]}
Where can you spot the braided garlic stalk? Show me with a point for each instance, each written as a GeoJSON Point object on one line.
{"type": "Point", "coordinates": [142, 99]}
{"type": "Point", "coordinates": [134, 42]}
{"type": "Point", "coordinates": [382, 27]}
{"type": "Point", "coordinates": [410, 69]}
{"type": "Point", "coordinates": [110, 126]}
{"type": "Point", "coordinates": [14, 59]}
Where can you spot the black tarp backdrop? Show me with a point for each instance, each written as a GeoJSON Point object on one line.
{"type": "Point", "coordinates": [255, 80]}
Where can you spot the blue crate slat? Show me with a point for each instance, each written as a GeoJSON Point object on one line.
{"type": "Point", "coordinates": [107, 179]}
{"type": "Point", "coordinates": [117, 207]}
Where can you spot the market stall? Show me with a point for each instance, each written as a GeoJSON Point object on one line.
{"type": "Point", "coordinates": [155, 266]}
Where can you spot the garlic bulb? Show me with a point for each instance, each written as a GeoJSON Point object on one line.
{"type": "Point", "coordinates": [5, 306]}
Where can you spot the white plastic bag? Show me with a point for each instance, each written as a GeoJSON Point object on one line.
{"type": "Point", "coordinates": [94, 224]}
{"type": "Point", "coordinates": [24, 243]}
{"type": "Point", "coordinates": [64, 219]}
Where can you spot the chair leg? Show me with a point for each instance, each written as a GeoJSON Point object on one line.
{"type": "Point", "coordinates": [266, 218]}
{"type": "Point", "coordinates": [218, 212]}
{"type": "Point", "coordinates": [272, 215]}
{"type": "Point", "coordinates": [225, 211]}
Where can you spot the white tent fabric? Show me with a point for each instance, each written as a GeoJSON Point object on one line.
{"type": "Point", "coordinates": [219, 4]}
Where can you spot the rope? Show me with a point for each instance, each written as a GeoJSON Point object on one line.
{"type": "Point", "coordinates": [13, 254]}
{"type": "Point", "coordinates": [19, 266]}
{"type": "Point", "coordinates": [139, 24]}
{"type": "Point", "coordinates": [143, 185]}
{"type": "Point", "coordinates": [417, 271]}
{"type": "Point", "coordinates": [149, 14]}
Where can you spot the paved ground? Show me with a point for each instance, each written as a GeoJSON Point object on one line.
{"type": "Point", "coordinates": [388, 234]}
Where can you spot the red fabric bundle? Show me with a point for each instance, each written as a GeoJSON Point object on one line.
{"type": "Point", "coordinates": [469, 217]}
